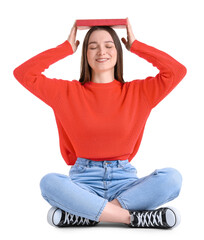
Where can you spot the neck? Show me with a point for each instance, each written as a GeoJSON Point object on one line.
{"type": "Point", "coordinates": [102, 77]}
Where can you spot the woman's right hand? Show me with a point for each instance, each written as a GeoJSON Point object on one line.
{"type": "Point", "coordinates": [72, 38]}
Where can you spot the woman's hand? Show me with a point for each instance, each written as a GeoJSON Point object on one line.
{"type": "Point", "coordinates": [72, 38]}
{"type": "Point", "coordinates": [130, 36]}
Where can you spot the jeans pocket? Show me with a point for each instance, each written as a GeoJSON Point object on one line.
{"type": "Point", "coordinates": [128, 167]}
{"type": "Point", "coordinates": [77, 169]}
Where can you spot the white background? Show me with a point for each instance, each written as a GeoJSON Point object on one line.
{"type": "Point", "coordinates": [29, 139]}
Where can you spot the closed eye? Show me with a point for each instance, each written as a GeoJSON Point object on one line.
{"type": "Point", "coordinates": [94, 45]}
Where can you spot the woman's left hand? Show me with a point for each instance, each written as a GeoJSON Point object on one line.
{"type": "Point", "coordinates": [130, 36]}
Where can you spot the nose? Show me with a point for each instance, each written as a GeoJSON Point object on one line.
{"type": "Point", "coordinates": [101, 51]}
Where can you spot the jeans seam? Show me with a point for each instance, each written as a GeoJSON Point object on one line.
{"type": "Point", "coordinates": [122, 203]}
{"type": "Point", "coordinates": [101, 210]}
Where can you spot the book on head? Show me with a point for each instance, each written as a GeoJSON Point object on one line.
{"type": "Point", "coordinates": [87, 23]}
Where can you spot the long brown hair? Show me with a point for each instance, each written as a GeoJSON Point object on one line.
{"type": "Point", "coordinates": [85, 75]}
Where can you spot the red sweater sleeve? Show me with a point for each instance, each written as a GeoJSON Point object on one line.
{"type": "Point", "coordinates": [29, 74]}
{"type": "Point", "coordinates": [171, 72]}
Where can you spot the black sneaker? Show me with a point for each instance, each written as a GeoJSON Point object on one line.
{"type": "Point", "coordinates": [59, 218]}
{"type": "Point", "coordinates": [164, 218]}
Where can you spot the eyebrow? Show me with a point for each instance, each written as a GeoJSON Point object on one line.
{"type": "Point", "coordinates": [105, 42]}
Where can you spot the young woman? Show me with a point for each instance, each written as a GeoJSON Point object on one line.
{"type": "Point", "coordinates": [101, 119]}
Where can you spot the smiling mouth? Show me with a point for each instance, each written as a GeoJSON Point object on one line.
{"type": "Point", "coordinates": [101, 60]}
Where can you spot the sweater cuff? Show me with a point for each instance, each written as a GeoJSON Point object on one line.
{"type": "Point", "coordinates": [66, 46]}
{"type": "Point", "coordinates": [134, 45]}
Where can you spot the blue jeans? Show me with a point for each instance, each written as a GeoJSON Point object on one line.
{"type": "Point", "coordinates": [91, 184]}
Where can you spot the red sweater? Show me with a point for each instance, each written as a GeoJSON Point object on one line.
{"type": "Point", "coordinates": [100, 121]}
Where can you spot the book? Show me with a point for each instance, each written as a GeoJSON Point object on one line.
{"type": "Point", "coordinates": [87, 23]}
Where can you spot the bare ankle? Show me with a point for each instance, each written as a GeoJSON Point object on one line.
{"type": "Point", "coordinates": [113, 213]}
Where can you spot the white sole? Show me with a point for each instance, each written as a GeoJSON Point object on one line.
{"type": "Point", "coordinates": [54, 216]}
{"type": "Point", "coordinates": [173, 217]}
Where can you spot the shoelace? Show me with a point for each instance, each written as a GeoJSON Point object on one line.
{"type": "Point", "coordinates": [148, 219]}
{"type": "Point", "coordinates": [75, 220]}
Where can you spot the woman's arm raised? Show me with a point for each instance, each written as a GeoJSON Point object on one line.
{"type": "Point", "coordinates": [29, 74]}
{"type": "Point", "coordinates": [171, 72]}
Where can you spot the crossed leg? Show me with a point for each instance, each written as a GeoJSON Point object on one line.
{"type": "Point", "coordinates": [152, 191]}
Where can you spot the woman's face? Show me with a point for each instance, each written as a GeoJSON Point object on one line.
{"type": "Point", "coordinates": [101, 53]}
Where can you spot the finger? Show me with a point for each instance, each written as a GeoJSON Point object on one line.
{"type": "Point", "coordinates": [74, 25]}
{"type": "Point", "coordinates": [75, 28]}
{"type": "Point", "coordinates": [124, 40]}
{"type": "Point", "coordinates": [129, 28]}
{"type": "Point", "coordinates": [77, 43]}
{"type": "Point", "coordinates": [74, 31]}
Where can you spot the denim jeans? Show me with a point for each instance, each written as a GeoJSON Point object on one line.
{"type": "Point", "coordinates": [91, 184]}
